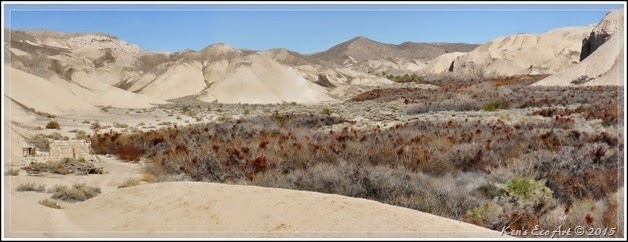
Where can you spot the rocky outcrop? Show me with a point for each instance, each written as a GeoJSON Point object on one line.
{"type": "Point", "coordinates": [601, 33]}
{"type": "Point", "coordinates": [604, 64]}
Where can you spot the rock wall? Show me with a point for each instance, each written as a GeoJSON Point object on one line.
{"type": "Point", "coordinates": [69, 149]}
{"type": "Point", "coordinates": [601, 33]}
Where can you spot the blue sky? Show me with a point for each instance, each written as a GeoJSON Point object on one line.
{"type": "Point", "coordinates": [302, 28]}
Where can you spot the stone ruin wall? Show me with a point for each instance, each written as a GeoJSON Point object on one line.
{"type": "Point", "coordinates": [69, 149]}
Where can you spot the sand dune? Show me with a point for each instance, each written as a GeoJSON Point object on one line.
{"type": "Point", "coordinates": [605, 65]}
{"type": "Point", "coordinates": [190, 209]}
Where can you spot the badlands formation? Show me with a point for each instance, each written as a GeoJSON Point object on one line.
{"type": "Point", "coordinates": [601, 59]}
{"type": "Point", "coordinates": [96, 82]}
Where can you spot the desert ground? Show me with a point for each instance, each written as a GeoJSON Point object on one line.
{"type": "Point", "coordinates": [365, 139]}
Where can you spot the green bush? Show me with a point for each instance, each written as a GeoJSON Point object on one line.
{"type": "Point", "coordinates": [529, 192]}
{"type": "Point", "coordinates": [326, 111]}
{"type": "Point", "coordinates": [495, 105]}
{"type": "Point", "coordinates": [485, 213]}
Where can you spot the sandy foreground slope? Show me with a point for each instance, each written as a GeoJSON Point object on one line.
{"type": "Point", "coordinates": [189, 209]}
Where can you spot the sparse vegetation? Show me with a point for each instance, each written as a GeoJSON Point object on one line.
{"type": "Point", "coordinates": [32, 187]}
{"type": "Point", "coordinates": [403, 78]}
{"type": "Point", "coordinates": [121, 126]}
{"type": "Point", "coordinates": [95, 126]}
{"type": "Point", "coordinates": [326, 111]}
{"type": "Point", "coordinates": [148, 177]}
{"type": "Point", "coordinates": [53, 125]}
{"type": "Point", "coordinates": [77, 192]}
{"type": "Point", "coordinates": [50, 204]}
{"type": "Point", "coordinates": [495, 105]}
{"type": "Point", "coordinates": [129, 183]}
{"type": "Point", "coordinates": [46, 115]}
{"type": "Point", "coordinates": [42, 141]}
{"type": "Point", "coordinates": [81, 135]}
{"type": "Point", "coordinates": [13, 172]}
{"type": "Point", "coordinates": [543, 149]}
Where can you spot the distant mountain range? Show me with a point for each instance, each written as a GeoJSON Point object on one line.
{"type": "Point", "coordinates": [363, 49]}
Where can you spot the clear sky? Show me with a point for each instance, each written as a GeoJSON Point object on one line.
{"type": "Point", "coordinates": [303, 28]}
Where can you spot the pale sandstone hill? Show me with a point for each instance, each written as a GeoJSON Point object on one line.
{"type": "Point", "coordinates": [71, 62]}
{"type": "Point", "coordinates": [30, 91]}
{"type": "Point", "coordinates": [520, 54]}
{"type": "Point", "coordinates": [603, 62]}
{"type": "Point", "coordinates": [324, 73]}
{"type": "Point", "coordinates": [442, 63]}
{"type": "Point", "coordinates": [223, 74]}
{"type": "Point", "coordinates": [258, 79]}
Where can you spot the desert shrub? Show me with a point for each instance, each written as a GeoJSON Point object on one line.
{"type": "Point", "coordinates": [119, 125]}
{"type": "Point", "coordinates": [326, 111]}
{"type": "Point", "coordinates": [47, 115]}
{"type": "Point", "coordinates": [58, 168]}
{"type": "Point", "coordinates": [495, 105]}
{"type": "Point", "coordinates": [95, 126]}
{"type": "Point", "coordinates": [444, 106]}
{"type": "Point", "coordinates": [81, 135]}
{"type": "Point", "coordinates": [50, 204]}
{"type": "Point", "coordinates": [77, 192]}
{"type": "Point", "coordinates": [129, 183]}
{"type": "Point", "coordinates": [527, 191]}
{"type": "Point", "coordinates": [53, 125]}
{"type": "Point", "coordinates": [147, 177]}
{"type": "Point", "coordinates": [525, 200]}
{"type": "Point", "coordinates": [581, 80]}
{"type": "Point", "coordinates": [224, 117]}
{"type": "Point", "coordinates": [40, 142]}
{"type": "Point", "coordinates": [129, 152]}
{"type": "Point", "coordinates": [13, 172]}
{"type": "Point", "coordinates": [57, 136]}
{"type": "Point", "coordinates": [24, 187]}
{"type": "Point", "coordinates": [449, 167]}
{"type": "Point", "coordinates": [484, 214]}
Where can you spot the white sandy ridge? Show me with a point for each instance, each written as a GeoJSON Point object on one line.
{"type": "Point", "coordinates": [191, 209]}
